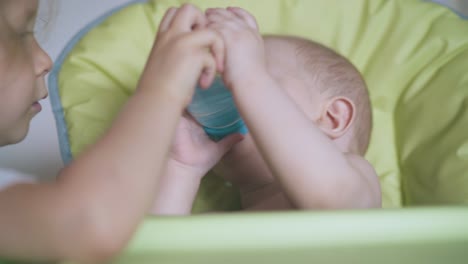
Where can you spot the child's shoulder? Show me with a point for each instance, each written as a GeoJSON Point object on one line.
{"type": "Point", "coordinates": [9, 177]}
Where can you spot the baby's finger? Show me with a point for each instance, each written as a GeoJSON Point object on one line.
{"type": "Point", "coordinates": [167, 20]}
{"type": "Point", "coordinates": [210, 40]}
{"type": "Point", "coordinates": [223, 27]}
{"type": "Point", "coordinates": [188, 117]}
{"type": "Point", "coordinates": [245, 16]}
{"type": "Point", "coordinates": [218, 14]}
{"type": "Point", "coordinates": [209, 72]}
{"type": "Point", "coordinates": [218, 50]}
{"type": "Point", "coordinates": [225, 144]}
{"type": "Point", "coordinates": [210, 11]}
{"type": "Point", "coordinates": [214, 18]}
{"type": "Point", "coordinates": [189, 17]}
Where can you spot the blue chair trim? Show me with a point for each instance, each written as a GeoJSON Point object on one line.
{"type": "Point", "coordinates": [62, 129]}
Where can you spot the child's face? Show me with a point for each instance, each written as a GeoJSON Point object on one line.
{"type": "Point", "coordinates": [23, 66]}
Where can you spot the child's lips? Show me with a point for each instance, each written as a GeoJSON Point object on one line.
{"type": "Point", "coordinates": [37, 107]}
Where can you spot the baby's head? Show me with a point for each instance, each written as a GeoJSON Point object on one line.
{"type": "Point", "coordinates": [325, 86]}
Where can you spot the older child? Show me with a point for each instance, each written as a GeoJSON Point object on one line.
{"type": "Point", "coordinates": [93, 208]}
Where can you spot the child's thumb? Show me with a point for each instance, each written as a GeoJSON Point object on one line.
{"type": "Point", "coordinates": [228, 142]}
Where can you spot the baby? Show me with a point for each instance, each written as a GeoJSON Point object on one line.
{"type": "Point", "coordinates": [330, 93]}
{"type": "Point", "coordinates": [309, 119]}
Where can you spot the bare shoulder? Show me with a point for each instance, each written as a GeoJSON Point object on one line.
{"type": "Point", "coordinates": [361, 164]}
{"type": "Point", "coordinates": [368, 175]}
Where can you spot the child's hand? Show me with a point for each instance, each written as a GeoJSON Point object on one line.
{"type": "Point", "coordinates": [245, 54]}
{"type": "Point", "coordinates": [184, 51]}
{"type": "Point", "coordinates": [195, 151]}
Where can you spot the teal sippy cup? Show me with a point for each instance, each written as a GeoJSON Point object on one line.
{"type": "Point", "coordinates": [214, 109]}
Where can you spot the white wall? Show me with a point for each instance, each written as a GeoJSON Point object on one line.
{"type": "Point", "coordinates": [39, 153]}
{"type": "Point", "coordinates": [460, 6]}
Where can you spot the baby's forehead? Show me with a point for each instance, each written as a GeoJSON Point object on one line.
{"type": "Point", "coordinates": [286, 67]}
{"type": "Point", "coordinates": [303, 59]}
{"type": "Point", "coordinates": [281, 57]}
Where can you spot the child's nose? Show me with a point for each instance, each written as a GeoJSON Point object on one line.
{"type": "Point", "coordinates": [43, 63]}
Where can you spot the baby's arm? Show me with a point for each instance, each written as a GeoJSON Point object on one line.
{"type": "Point", "coordinates": [93, 209]}
{"type": "Point", "coordinates": [192, 155]}
{"type": "Point", "coordinates": [313, 172]}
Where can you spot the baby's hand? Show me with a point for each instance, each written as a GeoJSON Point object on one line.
{"type": "Point", "coordinates": [185, 51]}
{"type": "Point", "coordinates": [195, 151]}
{"type": "Point", "coordinates": [245, 54]}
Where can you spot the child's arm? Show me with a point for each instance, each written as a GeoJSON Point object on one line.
{"type": "Point", "coordinates": [91, 212]}
{"type": "Point", "coordinates": [313, 172]}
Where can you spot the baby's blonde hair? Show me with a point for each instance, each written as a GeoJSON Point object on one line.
{"type": "Point", "coordinates": [336, 76]}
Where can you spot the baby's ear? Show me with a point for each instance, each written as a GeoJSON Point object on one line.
{"type": "Point", "coordinates": [337, 116]}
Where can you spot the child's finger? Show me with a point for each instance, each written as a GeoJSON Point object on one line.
{"type": "Point", "coordinates": [167, 19]}
{"type": "Point", "coordinates": [188, 18]}
{"type": "Point", "coordinates": [244, 15]}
